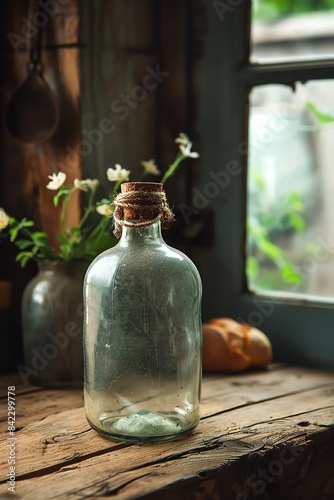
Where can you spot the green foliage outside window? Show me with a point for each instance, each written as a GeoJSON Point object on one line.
{"type": "Point", "coordinates": [261, 229]}
{"type": "Point", "coordinates": [272, 9]}
{"type": "Point", "coordinates": [264, 225]}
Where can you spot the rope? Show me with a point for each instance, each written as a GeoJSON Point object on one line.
{"type": "Point", "coordinates": [145, 207]}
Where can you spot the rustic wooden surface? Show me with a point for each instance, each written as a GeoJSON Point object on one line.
{"type": "Point", "coordinates": [265, 435]}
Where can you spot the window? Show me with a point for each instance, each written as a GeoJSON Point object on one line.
{"type": "Point", "coordinates": [291, 30]}
{"type": "Point", "coordinates": [290, 188]}
{"type": "Point", "coordinates": [242, 86]}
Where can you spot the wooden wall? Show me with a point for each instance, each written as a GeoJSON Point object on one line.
{"type": "Point", "coordinates": [24, 168]}
{"type": "Point", "coordinates": [125, 73]}
{"type": "Point", "coordinates": [125, 43]}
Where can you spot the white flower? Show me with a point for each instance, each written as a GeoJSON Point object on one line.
{"type": "Point", "coordinates": [104, 209]}
{"type": "Point", "coordinates": [150, 167]}
{"type": "Point", "coordinates": [4, 219]}
{"type": "Point", "coordinates": [183, 139]}
{"type": "Point", "coordinates": [185, 146]}
{"type": "Point", "coordinates": [57, 180]}
{"type": "Point", "coordinates": [86, 184]}
{"type": "Point", "coordinates": [186, 151]}
{"type": "Point", "coordinates": [118, 174]}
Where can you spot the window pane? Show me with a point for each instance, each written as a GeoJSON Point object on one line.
{"type": "Point", "coordinates": [290, 238]}
{"type": "Point", "coordinates": [284, 30]}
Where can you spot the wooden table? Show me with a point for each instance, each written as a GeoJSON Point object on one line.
{"type": "Point", "coordinates": [264, 435]}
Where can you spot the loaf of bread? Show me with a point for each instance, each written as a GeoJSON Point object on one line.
{"type": "Point", "coordinates": [231, 346]}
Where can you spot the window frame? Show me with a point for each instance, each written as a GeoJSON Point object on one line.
{"type": "Point", "coordinates": [300, 330]}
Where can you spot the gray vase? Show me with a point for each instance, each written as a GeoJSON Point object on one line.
{"type": "Point", "coordinates": [52, 325]}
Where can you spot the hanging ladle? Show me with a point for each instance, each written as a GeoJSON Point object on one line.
{"type": "Point", "coordinates": [33, 112]}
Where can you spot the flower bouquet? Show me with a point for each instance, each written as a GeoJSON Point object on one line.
{"type": "Point", "coordinates": [91, 236]}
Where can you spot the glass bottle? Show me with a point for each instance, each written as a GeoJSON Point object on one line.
{"type": "Point", "coordinates": [142, 335]}
{"type": "Point", "coordinates": [52, 325]}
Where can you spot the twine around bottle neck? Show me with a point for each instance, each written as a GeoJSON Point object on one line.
{"type": "Point", "coordinates": [140, 207]}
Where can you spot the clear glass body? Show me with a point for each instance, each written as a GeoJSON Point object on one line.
{"type": "Point", "coordinates": [142, 339]}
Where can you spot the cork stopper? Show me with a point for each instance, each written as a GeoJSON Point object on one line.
{"type": "Point", "coordinates": [146, 211]}
{"type": "Point", "coordinates": [127, 187]}
{"type": "Point", "coordinates": [140, 204]}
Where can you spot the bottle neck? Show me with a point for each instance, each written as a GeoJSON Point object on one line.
{"type": "Point", "coordinates": [141, 235]}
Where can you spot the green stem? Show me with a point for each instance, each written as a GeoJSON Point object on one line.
{"type": "Point", "coordinates": [115, 189]}
{"type": "Point", "coordinates": [102, 224]}
{"type": "Point", "coordinates": [171, 169]}
{"type": "Point", "coordinates": [89, 209]}
{"type": "Point", "coordinates": [65, 200]}
{"type": "Point", "coordinates": [95, 235]}
{"type": "Point", "coordinates": [63, 213]}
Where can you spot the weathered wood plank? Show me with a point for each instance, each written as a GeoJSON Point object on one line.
{"type": "Point", "coordinates": [174, 99]}
{"type": "Point", "coordinates": [278, 471]}
{"type": "Point", "coordinates": [226, 393]}
{"type": "Point", "coordinates": [61, 438]}
{"type": "Point", "coordinates": [220, 393]}
{"type": "Point", "coordinates": [26, 166]}
{"type": "Point", "coordinates": [61, 453]}
{"type": "Point", "coordinates": [62, 17]}
{"type": "Point", "coordinates": [117, 88]}
{"type": "Point", "coordinates": [37, 405]}
{"type": "Point", "coordinates": [162, 464]}
{"type": "Point", "coordinates": [14, 379]}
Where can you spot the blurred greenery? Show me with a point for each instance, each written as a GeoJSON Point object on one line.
{"type": "Point", "coordinates": [321, 117]}
{"type": "Point", "coordinates": [273, 9]}
{"type": "Point", "coordinates": [262, 227]}
{"type": "Point", "coordinates": [268, 266]}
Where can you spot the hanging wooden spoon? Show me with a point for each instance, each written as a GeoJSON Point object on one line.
{"type": "Point", "coordinates": [33, 111]}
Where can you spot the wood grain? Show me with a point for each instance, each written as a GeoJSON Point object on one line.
{"type": "Point", "coordinates": [24, 168]}
{"type": "Point", "coordinates": [247, 419]}
{"type": "Point", "coordinates": [120, 48]}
